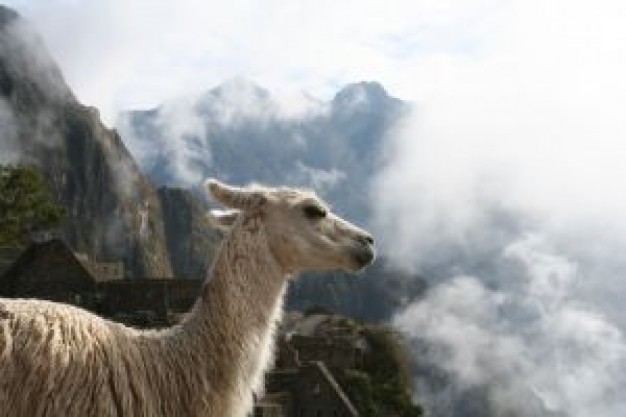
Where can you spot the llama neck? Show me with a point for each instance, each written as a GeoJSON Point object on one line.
{"type": "Point", "coordinates": [235, 319]}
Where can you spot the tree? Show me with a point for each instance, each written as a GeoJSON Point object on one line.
{"type": "Point", "coordinates": [382, 387]}
{"type": "Point", "coordinates": [26, 205]}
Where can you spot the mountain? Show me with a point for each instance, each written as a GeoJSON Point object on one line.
{"type": "Point", "coordinates": [374, 295]}
{"type": "Point", "coordinates": [191, 242]}
{"type": "Point", "coordinates": [241, 133]}
{"type": "Point", "coordinates": [114, 212]}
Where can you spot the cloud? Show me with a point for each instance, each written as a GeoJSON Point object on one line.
{"type": "Point", "coordinates": [319, 179]}
{"type": "Point", "coordinates": [524, 136]}
{"type": "Point", "coordinates": [527, 135]}
{"type": "Point", "coordinates": [138, 54]}
{"type": "Point", "coordinates": [531, 340]}
{"type": "Point", "coordinates": [179, 138]}
{"type": "Point", "coordinates": [31, 81]}
{"type": "Point", "coordinates": [238, 101]}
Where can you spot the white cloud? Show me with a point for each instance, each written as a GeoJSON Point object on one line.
{"type": "Point", "coordinates": [533, 343]}
{"type": "Point", "coordinates": [531, 126]}
{"type": "Point", "coordinates": [119, 54]}
{"type": "Point", "coordinates": [319, 179]}
{"type": "Point", "coordinates": [523, 136]}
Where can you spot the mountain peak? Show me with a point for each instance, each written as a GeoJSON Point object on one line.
{"type": "Point", "coordinates": [239, 87]}
{"type": "Point", "coordinates": [27, 71]}
{"type": "Point", "coordinates": [361, 96]}
{"type": "Point", "coordinates": [242, 100]}
{"type": "Point", "coordinates": [7, 15]}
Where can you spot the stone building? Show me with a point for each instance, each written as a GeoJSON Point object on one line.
{"type": "Point", "coordinates": [272, 405]}
{"type": "Point", "coordinates": [8, 255]}
{"type": "Point", "coordinates": [51, 271]}
{"type": "Point", "coordinates": [108, 270]}
{"type": "Point", "coordinates": [302, 385]}
{"type": "Point", "coordinates": [308, 390]}
{"type": "Point", "coordinates": [146, 302]}
{"type": "Point", "coordinates": [332, 339]}
{"type": "Point", "coordinates": [335, 352]}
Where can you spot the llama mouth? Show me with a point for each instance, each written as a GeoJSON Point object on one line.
{"type": "Point", "coordinates": [363, 257]}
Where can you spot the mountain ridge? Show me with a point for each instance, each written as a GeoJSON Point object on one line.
{"type": "Point", "coordinates": [332, 146]}
{"type": "Point", "coordinates": [113, 211]}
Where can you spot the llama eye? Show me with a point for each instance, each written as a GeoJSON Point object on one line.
{"type": "Point", "coordinates": [314, 212]}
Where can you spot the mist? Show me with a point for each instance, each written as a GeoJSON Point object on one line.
{"type": "Point", "coordinates": [24, 58]}
{"type": "Point", "coordinates": [504, 189]}
{"type": "Point", "coordinates": [184, 129]}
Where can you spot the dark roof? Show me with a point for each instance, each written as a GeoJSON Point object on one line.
{"type": "Point", "coordinates": [36, 259]}
{"type": "Point", "coordinates": [8, 255]}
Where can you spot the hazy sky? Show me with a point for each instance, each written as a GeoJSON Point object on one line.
{"type": "Point", "coordinates": [118, 53]}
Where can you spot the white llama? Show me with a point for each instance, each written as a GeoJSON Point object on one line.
{"type": "Point", "coordinates": [58, 360]}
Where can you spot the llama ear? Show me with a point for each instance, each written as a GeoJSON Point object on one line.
{"type": "Point", "coordinates": [234, 197]}
{"type": "Point", "coordinates": [222, 219]}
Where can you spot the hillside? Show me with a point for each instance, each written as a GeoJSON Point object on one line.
{"type": "Point", "coordinates": [375, 375]}
{"type": "Point", "coordinates": [114, 212]}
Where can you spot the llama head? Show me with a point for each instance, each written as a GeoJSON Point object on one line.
{"type": "Point", "coordinates": [301, 231]}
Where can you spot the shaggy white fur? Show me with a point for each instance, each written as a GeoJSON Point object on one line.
{"type": "Point", "coordinates": [59, 360]}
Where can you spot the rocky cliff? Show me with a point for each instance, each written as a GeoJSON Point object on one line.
{"type": "Point", "coordinates": [114, 212]}
{"type": "Point", "coordinates": [191, 242]}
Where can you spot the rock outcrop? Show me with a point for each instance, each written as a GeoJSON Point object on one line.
{"type": "Point", "coordinates": [114, 212]}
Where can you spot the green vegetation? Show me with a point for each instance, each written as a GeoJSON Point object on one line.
{"type": "Point", "coordinates": [26, 205]}
{"type": "Point", "coordinates": [383, 386]}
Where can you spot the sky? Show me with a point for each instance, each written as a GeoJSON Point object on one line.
{"type": "Point", "coordinates": [119, 54]}
{"type": "Point", "coordinates": [506, 184]}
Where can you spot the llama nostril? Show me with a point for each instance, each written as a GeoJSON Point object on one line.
{"type": "Point", "coordinates": [367, 239]}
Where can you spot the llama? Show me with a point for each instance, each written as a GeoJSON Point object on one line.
{"type": "Point", "coordinates": [59, 360]}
